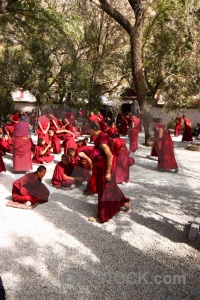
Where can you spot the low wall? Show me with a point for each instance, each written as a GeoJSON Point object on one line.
{"type": "Point", "coordinates": [192, 114]}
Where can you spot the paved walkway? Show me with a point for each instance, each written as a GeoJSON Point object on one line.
{"type": "Point", "coordinates": [53, 252]}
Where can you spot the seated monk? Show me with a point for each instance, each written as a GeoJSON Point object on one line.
{"type": "Point", "coordinates": [63, 175]}
{"type": "Point", "coordinates": [30, 189]}
{"type": "Point", "coordinates": [6, 144]}
{"type": "Point", "coordinates": [42, 153]}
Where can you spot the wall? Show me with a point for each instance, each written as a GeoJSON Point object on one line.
{"type": "Point", "coordinates": [192, 114]}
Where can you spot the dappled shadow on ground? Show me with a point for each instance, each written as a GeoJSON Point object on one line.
{"type": "Point", "coordinates": [70, 246]}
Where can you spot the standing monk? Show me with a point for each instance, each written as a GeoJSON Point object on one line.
{"type": "Point", "coordinates": [22, 145]}
{"type": "Point", "coordinates": [187, 134]}
{"type": "Point", "coordinates": [110, 197]}
{"type": "Point", "coordinates": [178, 125]}
{"type": "Point", "coordinates": [43, 128]}
{"type": "Point", "coordinates": [133, 133]}
{"type": "Point", "coordinates": [29, 189]}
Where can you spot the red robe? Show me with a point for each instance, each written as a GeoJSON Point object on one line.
{"type": "Point", "coordinates": [2, 165]}
{"type": "Point", "coordinates": [166, 158]}
{"type": "Point", "coordinates": [178, 126]}
{"type": "Point", "coordinates": [59, 175]}
{"type": "Point", "coordinates": [110, 197]}
{"type": "Point", "coordinates": [69, 142]}
{"type": "Point", "coordinates": [133, 133]}
{"type": "Point", "coordinates": [6, 146]}
{"type": "Point", "coordinates": [123, 161]}
{"type": "Point", "coordinates": [44, 122]}
{"type": "Point", "coordinates": [111, 131]}
{"type": "Point", "coordinates": [55, 142]}
{"type": "Point", "coordinates": [187, 134]}
{"type": "Point", "coordinates": [29, 188]}
{"type": "Point", "coordinates": [52, 125]}
{"type": "Point", "coordinates": [94, 118]}
{"type": "Point", "coordinates": [123, 127]}
{"type": "Point", "coordinates": [38, 158]}
{"type": "Point", "coordinates": [22, 154]}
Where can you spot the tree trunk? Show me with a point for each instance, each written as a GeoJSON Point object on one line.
{"type": "Point", "coordinates": [139, 80]}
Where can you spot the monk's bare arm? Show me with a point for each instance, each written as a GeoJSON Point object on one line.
{"type": "Point", "coordinates": [45, 150]}
{"type": "Point", "coordinates": [109, 156]}
{"type": "Point", "coordinates": [83, 155]}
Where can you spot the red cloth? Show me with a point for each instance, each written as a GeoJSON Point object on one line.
{"type": "Point", "coordinates": [52, 125]}
{"type": "Point", "coordinates": [70, 117]}
{"type": "Point", "coordinates": [166, 158]}
{"type": "Point", "coordinates": [55, 142]}
{"type": "Point", "coordinates": [187, 134]}
{"type": "Point", "coordinates": [2, 165]}
{"type": "Point", "coordinates": [10, 128]}
{"type": "Point", "coordinates": [29, 188]}
{"type": "Point", "coordinates": [133, 133]}
{"type": "Point", "coordinates": [69, 142]}
{"type": "Point", "coordinates": [178, 126]}
{"type": "Point", "coordinates": [110, 197]}
{"type": "Point", "coordinates": [88, 150]}
{"type": "Point", "coordinates": [44, 122]}
{"type": "Point", "coordinates": [111, 131]}
{"type": "Point", "coordinates": [21, 129]}
{"type": "Point", "coordinates": [6, 146]}
{"type": "Point", "coordinates": [22, 154]}
{"type": "Point", "coordinates": [94, 118]}
{"type": "Point", "coordinates": [101, 122]}
{"type": "Point", "coordinates": [123, 127]}
{"type": "Point", "coordinates": [15, 117]}
{"type": "Point", "coordinates": [59, 175]}
{"type": "Point", "coordinates": [38, 158]}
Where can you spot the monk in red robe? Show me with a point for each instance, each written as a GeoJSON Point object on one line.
{"type": "Point", "coordinates": [55, 142]}
{"type": "Point", "coordinates": [9, 128]}
{"type": "Point", "coordinates": [62, 176]}
{"type": "Point", "coordinates": [22, 145]}
{"type": "Point", "coordinates": [110, 197]}
{"type": "Point", "coordinates": [112, 130]}
{"type": "Point", "coordinates": [6, 144]}
{"type": "Point", "coordinates": [178, 125]}
{"type": "Point", "coordinates": [123, 130]}
{"type": "Point", "coordinates": [101, 120]}
{"type": "Point", "coordinates": [133, 133]}
{"type": "Point", "coordinates": [30, 189]}
{"type": "Point", "coordinates": [164, 148]}
{"type": "Point", "coordinates": [123, 160]}
{"type": "Point", "coordinates": [42, 152]}
{"type": "Point", "coordinates": [187, 134]}
{"type": "Point", "coordinates": [2, 165]}
{"type": "Point", "coordinates": [43, 128]}
{"type": "Point", "coordinates": [81, 163]}
{"type": "Point", "coordinates": [53, 123]}
{"type": "Point", "coordinates": [93, 117]}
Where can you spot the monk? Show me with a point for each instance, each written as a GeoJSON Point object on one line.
{"type": "Point", "coordinates": [101, 120]}
{"type": "Point", "coordinates": [53, 123]}
{"type": "Point", "coordinates": [110, 197]}
{"type": "Point", "coordinates": [111, 131]}
{"type": "Point", "coordinates": [187, 134]}
{"type": "Point", "coordinates": [178, 125]}
{"type": "Point", "coordinates": [93, 117]}
{"type": "Point", "coordinates": [42, 153]}
{"type": "Point", "coordinates": [9, 128]}
{"type": "Point", "coordinates": [81, 163]}
{"type": "Point", "coordinates": [43, 128]}
{"type": "Point", "coordinates": [123, 126]}
{"type": "Point", "coordinates": [6, 144]}
{"type": "Point", "coordinates": [22, 145]}
{"type": "Point", "coordinates": [55, 142]}
{"type": "Point", "coordinates": [2, 165]}
{"type": "Point", "coordinates": [133, 133]}
{"type": "Point", "coordinates": [62, 176]}
{"type": "Point", "coordinates": [123, 160]}
{"type": "Point", "coordinates": [164, 148]}
{"type": "Point", "coordinates": [29, 189]}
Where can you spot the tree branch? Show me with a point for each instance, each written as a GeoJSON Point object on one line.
{"type": "Point", "coordinates": [4, 4]}
{"type": "Point", "coordinates": [115, 14]}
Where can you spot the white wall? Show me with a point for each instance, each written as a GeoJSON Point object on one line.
{"type": "Point", "coordinates": [192, 114]}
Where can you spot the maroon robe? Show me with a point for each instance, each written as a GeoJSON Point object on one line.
{"type": "Point", "coordinates": [178, 126]}
{"type": "Point", "coordinates": [133, 133]}
{"type": "Point", "coordinates": [94, 118]}
{"type": "Point", "coordinates": [187, 134]}
{"type": "Point", "coordinates": [55, 142]}
{"type": "Point", "coordinates": [111, 131]}
{"type": "Point", "coordinates": [123, 161]}
{"type": "Point", "coordinates": [123, 127]}
{"type": "Point", "coordinates": [166, 158]}
{"type": "Point", "coordinates": [44, 122]}
{"type": "Point", "coordinates": [6, 146]}
{"type": "Point", "coordinates": [110, 197]}
{"type": "Point", "coordinates": [38, 158]}
{"type": "Point", "coordinates": [52, 125]}
{"type": "Point", "coordinates": [29, 188]}
{"type": "Point", "coordinates": [69, 142]}
{"type": "Point", "coordinates": [59, 175]}
{"type": "Point", "coordinates": [2, 165]}
{"type": "Point", "coordinates": [84, 129]}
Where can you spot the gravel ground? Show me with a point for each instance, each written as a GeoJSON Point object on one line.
{"type": "Point", "coordinates": [54, 253]}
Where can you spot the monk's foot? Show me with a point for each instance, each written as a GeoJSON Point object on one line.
{"type": "Point", "coordinates": [28, 203]}
{"type": "Point", "coordinates": [87, 193]}
{"type": "Point", "coordinates": [94, 219]}
{"type": "Point", "coordinates": [176, 171]}
{"type": "Point", "coordinates": [127, 205]}
{"type": "Point", "coordinates": [156, 169]}
{"type": "Point", "coordinates": [72, 186]}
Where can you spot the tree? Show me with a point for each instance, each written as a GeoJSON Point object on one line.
{"type": "Point", "coordinates": [4, 5]}
{"type": "Point", "coordinates": [135, 32]}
